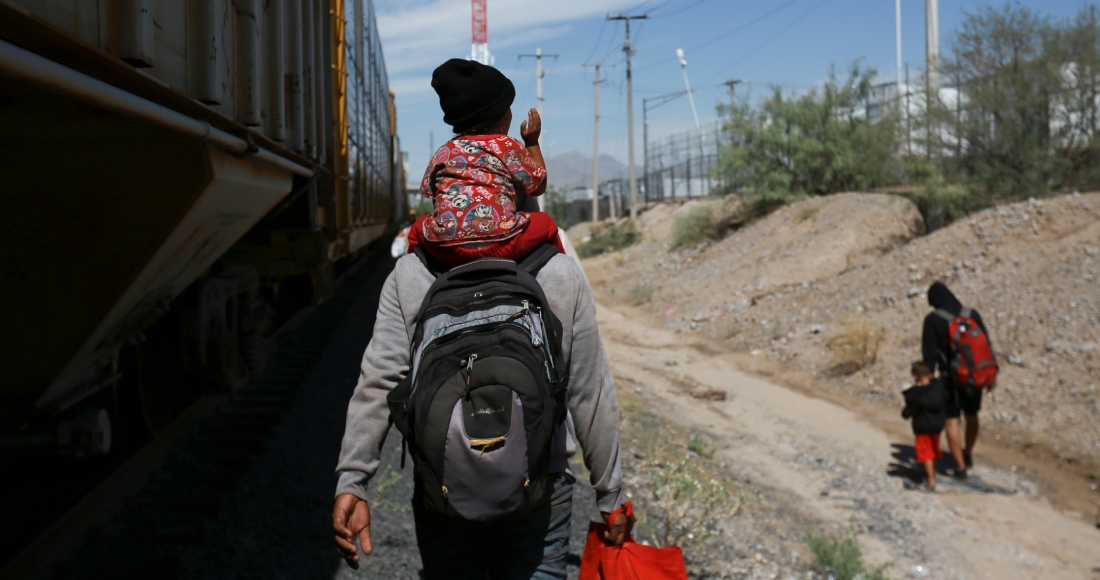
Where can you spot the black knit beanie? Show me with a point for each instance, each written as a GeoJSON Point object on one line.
{"type": "Point", "coordinates": [472, 95]}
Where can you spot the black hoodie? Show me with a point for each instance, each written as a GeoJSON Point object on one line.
{"type": "Point", "coordinates": [927, 406]}
{"type": "Point", "coordinates": [936, 337]}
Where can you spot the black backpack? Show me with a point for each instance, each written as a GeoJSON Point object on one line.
{"type": "Point", "coordinates": [486, 391]}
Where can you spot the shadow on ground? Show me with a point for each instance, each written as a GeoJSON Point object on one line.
{"type": "Point", "coordinates": [905, 467]}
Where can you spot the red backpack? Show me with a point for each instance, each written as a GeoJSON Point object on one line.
{"type": "Point", "coordinates": [972, 359]}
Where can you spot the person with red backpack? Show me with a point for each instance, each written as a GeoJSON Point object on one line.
{"type": "Point", "coordinates": [956, 341]}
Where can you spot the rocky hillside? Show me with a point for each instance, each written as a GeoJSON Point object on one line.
{"type": "Point", "coordinates": [787, 284]}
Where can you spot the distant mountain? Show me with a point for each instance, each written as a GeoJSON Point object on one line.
{"type": "Point", "coordinates": [574, 169]}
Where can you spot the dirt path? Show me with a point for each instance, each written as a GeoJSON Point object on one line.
{"type": "Point", "coordinates": [843, 469]}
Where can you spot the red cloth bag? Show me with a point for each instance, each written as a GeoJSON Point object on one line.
{"type": "Point", "coordinates": [632, 561]}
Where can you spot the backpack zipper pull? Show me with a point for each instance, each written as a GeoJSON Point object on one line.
{"type": "Point", "coordinates": [535, 340]}
{"type": "Point", "coordinates": [470, 367]}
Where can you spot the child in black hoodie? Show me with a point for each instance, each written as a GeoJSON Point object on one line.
{"type": "Point", "coordinates": [926, 404]}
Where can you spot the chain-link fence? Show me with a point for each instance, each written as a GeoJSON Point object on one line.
{"type": "Point", "coordinates": [682, 165]}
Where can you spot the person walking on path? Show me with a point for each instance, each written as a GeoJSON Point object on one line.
{"type": "Point", "coordinates": [938, 353]}
{"type": "Point", "coordinates": [926, 405]}
{"type": "Point", "coordinates": [532, 545]}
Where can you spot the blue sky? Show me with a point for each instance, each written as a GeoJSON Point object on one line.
{"type": "Point", "coordinates": [790, 43]}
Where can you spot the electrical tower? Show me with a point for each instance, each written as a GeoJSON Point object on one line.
{"type": "Point", "coordinates": [479, 49]}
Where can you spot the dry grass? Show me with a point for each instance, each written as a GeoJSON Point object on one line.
{"type": "Point", "coordinates": [855, 345]}
{"type": "Point", "coordinates": [733, 329]}
{"type": "Point", "coordinates": [684, 493]}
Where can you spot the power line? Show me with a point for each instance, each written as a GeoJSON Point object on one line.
{"type": "Point", "coordinates": [769, 40]}
{"type": "Point", "coordinates": [610, 41]}
{"type": "Point", "coordinates": [597, 45]}
{"type": "Point", "coordinates": [644, 2]}
{"type": "Point", "coordinates": [743, 26]}
{"type": "Point", "coordinates": [728, 32]}
{"type": "Point", "coordinates": [674, 12]}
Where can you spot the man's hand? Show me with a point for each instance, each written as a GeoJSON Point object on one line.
{"type": "Point", "coordinates": [531, 129]}
{"type": "Point", "coordinates": [350, 518]}
{"type": "Point", "coordinates": [619, 529]}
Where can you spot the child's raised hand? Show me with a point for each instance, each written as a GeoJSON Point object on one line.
{"type": "Point", "coordinates": [531, 129]}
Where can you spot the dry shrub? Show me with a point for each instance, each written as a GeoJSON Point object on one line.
{"type": "Point", "coordinates": [640, 294]}
{"type": "Point", "coordinates": [806, 213]}
{"type": "Point", "coordinates": [855, 345]}
{"type": "Point", "coordinates": [610, 238]}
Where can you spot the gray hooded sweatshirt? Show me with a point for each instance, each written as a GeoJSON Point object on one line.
{"type": "Point", "coordinates": [593, 409]}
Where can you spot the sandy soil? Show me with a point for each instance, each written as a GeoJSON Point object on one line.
{"type": "Point", "coordinates": [826, 460]}
{"type": "Point", "coordinates": [784, 286]}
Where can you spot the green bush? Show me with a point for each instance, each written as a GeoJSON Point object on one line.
{"type": "Point", "coordinates": [700, 446]}
{"type": "Point", "coordinates": [609, 239]}
{"type": "Point", "coordinates": [694, 226]}
{"type": "Point", "coordinates": [818, 142]}
{"type": "Point", "coordinates": [754, 207]}
{"type": "Point", "coordinates": [940, 204]}
{"type": "Point", "coordinates": [839, 553]}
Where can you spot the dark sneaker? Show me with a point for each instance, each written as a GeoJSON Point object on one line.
{"type": "Point", "coordinates": [958, 474]}
{"type": "Point", "coordinates": [969, 460]}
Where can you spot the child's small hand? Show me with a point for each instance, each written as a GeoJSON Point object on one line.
{"type": "Point", "coordinates": [531, 129]}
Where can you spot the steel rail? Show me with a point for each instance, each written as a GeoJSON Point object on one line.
{"type": "Point", "coordinates": [31, 68]}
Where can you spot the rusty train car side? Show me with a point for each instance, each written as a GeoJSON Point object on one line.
{"type": "Point", "coordinates": [179, 176]}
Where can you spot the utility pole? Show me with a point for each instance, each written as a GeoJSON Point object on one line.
{"type": "Point", "coordinates": [908, 128]}
{"type": "Point", "coordinates": [626, 18]}
{"type": "Point", "coordinates": [897, 29]}
{"type": "Point", "coordinates": [733, 100]}
{"type": "Point", "coordinates": [539, 73]}
{"type": "Point", "coordinates": [687, 85]}
{"type": "Point", "coordinates": [932, 75]}
{"type": "Point", "coordinates": [596, 149]}
{"type": "Point", "coordinates": [695, 115]}
{"type": "Point", "coordinates": [932, 44]}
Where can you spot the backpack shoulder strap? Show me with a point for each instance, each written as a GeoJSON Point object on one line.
{"type": "Point", "coordinates": [538, 258]}
{"type": "Point", "coordinates": [942, 314]}
{"type": "Point", "coordinates": [966, 312]}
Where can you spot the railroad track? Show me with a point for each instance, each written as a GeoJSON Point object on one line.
{"type": "Point", "coordinates": [168, 492]}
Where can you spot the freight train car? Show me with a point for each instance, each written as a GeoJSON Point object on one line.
{"type": "Point", "coordinates": [178, 177]}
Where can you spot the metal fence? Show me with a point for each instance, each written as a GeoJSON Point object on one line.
{"type": "Point", "coordinates": [682, 165]}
